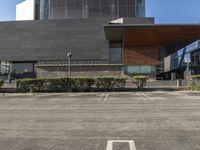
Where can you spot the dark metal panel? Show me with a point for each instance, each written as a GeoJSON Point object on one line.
{"type": "Point", "coordinates": [48, 40]}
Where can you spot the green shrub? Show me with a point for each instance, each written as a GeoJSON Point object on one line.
{"type": "Point", "coordinates": [65, 84]}
{"type": "Point", "coordinates": [38, 85]}
{"type": "Point", "coordinates": [55, 85]}
{"type": "Point", "coordinates": [110, 83]}
{"type": "Point", "coordinates": [195, 83]}
{"type": "Point", "coordinates": [31, 85]}
{"type": "Point", "coordinates": [196, 77]}
{"type": "Point", "coordinates": [52, 85]}
{"type": "Point", "coordinates": [23, 85]}
{"type": "Point", "coordinates": [140, 81]}
{"type": "Point", "coordinates": [70, 84]}
{"type": "Point", "coordinates": [120, 82]}
{"type": "Point", "coordinates": [105, 83]}
{"type": "Point", "coordinates": [58, 85]}
{"type": "Point", "coordinates": [83, 84]}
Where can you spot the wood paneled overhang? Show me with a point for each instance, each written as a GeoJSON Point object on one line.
{"type": "Point", "coordinates": [153, 35]}
{"type": "Point", "coordinates": [141, 43]}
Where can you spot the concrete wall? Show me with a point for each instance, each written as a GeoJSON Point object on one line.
{"type": "Point", "coordinates": [79, 71]}
{"type": "Point", "coordinates": [25, 10]}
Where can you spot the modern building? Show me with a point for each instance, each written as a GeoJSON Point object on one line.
{"type": "Point", "coordinates": [38, 45]}
{"type": "Point", "coordinates": [184, 61]}
{"type": "Point", "coordinates": [25, 10]}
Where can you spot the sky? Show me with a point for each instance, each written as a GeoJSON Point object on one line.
{"type": "Point", "coordinates": [174, 11]}
{"type": "Point", "coordinates": [164, 11]}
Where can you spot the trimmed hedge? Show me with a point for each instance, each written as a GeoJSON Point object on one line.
{"type": "Point", "coordinates": [83, 84]}
{"type": "Point", "coordinates": [195, 83]}
{"type": "Point", "coordinates": [70, 84]}
{"type": "Point", "coordinates": [140, 81]}
{"type": "Point", "coordinates": [110, 83]}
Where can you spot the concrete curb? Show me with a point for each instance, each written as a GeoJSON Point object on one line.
{"type": "Point", "coordinates": [93, 93]}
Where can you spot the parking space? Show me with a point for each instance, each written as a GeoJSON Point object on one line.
{"type": "Point", "coordinates": [77, 121]}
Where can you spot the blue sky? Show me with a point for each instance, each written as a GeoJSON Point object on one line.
{"type": "Point", "coordinates": [7, 9]}
{"type": "Point", "coordinates": [164, 11]}
{"type": "Point", "coordinates": [174, 11]}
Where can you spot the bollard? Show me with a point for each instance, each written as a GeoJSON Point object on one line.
{"type": "Point", "coordinates": [179, 82]}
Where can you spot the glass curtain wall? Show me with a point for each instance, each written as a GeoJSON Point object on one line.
{"type": "Point", "coordinates": [44, 9]}
{"type": "Point", "coordinates": [195, 56]}
{"type": "Point", "coordinates": [195, 65]}
{"type": "Point", "coordinates": [57, 9]}
{"type": "Point", "coordinates": [140, 69]}
{"type": "Point", "coordinates": [17, 68]}
{"type": "Point", "coordinates": [140, 8]}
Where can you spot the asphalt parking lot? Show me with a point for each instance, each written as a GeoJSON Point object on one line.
{"type": "Point", "coordinates": [100, 121]}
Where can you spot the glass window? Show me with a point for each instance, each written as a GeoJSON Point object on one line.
{"type": "Point", "coordinates": [131, 2]}
{"type": "Point", "coordinates": [122, 11]}
{"type": "Point", "coordinates": [146, 69]}
{"type": "Point", "coordinates": [105, 2]}
{"type": "Point", "coordinates": [95, 8]}
{"type": "Point", "coordinates": [131, 11]}
{"type": "Point", "coordinates": [5, 67]}
{"type": "Point", "coordinates": [95, 3]}
{"type": "Point", "coordinates": [140, 8]}
{"type": "Point", "coordinates": [74, 8]}
{"type": "Point", "coordinates": [20, 68]}
{"type": "Point", "coordinates": [106, 11]}
{"type": "Point", "coordinates": [74, 3]}
{"type": "Point", "coordinates": [78, 3]}
{"type": "Point", "coordinates": [123, 2]}
{"type": "Point", "coordinates": [115, 53]}
{"type": "Point", "coordinates": [94, 11]}
{"type": "Point", "coordinates": [59, 3]}
{"type": "Point", "coordinates": [132, 69]}
{"type": "Point", "coordinates": [70, 4]}
{"type": "Point", "coordinates": [140, 69]}
{"type": "Point", "coordinates": [74, 13]}
{"type": "Point", "coordinates": [43, 9]}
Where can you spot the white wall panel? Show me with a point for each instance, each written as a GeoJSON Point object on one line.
{"type": "Point", "coordinates": [25, 10]}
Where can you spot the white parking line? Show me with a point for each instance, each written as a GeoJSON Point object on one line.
{"type": "Point", "coordinates": [148, 97]}
{"type": "Point", "coordinates": [110, 144]}
{"type": "Point", "coordinates": [100, 97]}
{"type": "Point", "coordinates": [144, 96]}
{"type": "Point", "coordinates": [140, 96]}
{"type": "Point", "coordinates": [106, 97]}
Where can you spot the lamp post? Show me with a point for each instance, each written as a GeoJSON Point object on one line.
{"type": "Point", "coordinates": [10, 73]}
{"type": "Point", "coordinates": [69, 55]}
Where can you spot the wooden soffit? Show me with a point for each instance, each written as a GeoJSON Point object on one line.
{"type": "Point", "coordinates": [153, 35]}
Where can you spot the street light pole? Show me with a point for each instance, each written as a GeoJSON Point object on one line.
{"type": "Point", "coordinates": [69, 55]}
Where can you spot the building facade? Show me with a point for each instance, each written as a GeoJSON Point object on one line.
{"type": "Point", "coordinates": [184, 61]}
{"type": "Point", "coordinates": [39, 47]}
{"type": "Point", "coordinates": [60, 9]}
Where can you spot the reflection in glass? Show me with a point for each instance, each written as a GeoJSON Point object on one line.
{"type": "Point", "coordinates": [20, 68]}
{"type": "Point", "coordinates": [140, 69]}
{"type": "Point", "coordinates": [91, 8]}
{"type": "Point", "coordinates": [44, 9]}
